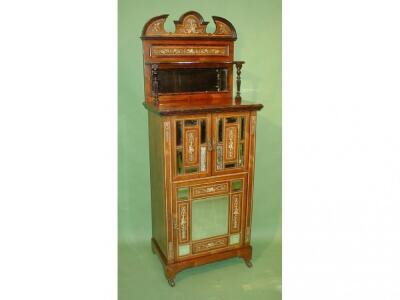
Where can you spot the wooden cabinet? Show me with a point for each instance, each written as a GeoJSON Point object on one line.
{"type": "Point", "coordinates": [202, 144]}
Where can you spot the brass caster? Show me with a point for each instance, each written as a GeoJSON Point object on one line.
{"type": "Point", "coordinates": [248, 263]}
{"type": "Point", "coordinates": [171, 282]}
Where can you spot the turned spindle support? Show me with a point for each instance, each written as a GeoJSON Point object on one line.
{"type": "Point", "coordinates": [218, 80]}
{"type": "Point", "coordinates": [238, 64]}
{"type": "Point", "coordinates": [154, 83]}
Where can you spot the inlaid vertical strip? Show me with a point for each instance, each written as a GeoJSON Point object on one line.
{"type": "Point", "coordinates": [231, 143]}
{"type": "Point", "coordinates": [235, 222]}
{"type": "Point", "coordinates": [167, 187]}
{"type": "Point", "coordinates": [250, 179]}
{"type": "Point", "coordinates": [191, 146]}
{"type": "Point", "coordinates": [183, 222]}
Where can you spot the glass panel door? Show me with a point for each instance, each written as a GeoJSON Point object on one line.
{"type": "Point", "coordinates": [230, 142]}
{"type": "Point", "coordinates": [209, 215]}
{"type": "Point", "coordinates": [192, 146]}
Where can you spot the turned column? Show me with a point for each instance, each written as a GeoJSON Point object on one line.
{"type": "Point", "coordinates": [154, 83]}
{"type": "Point", "coordinates": [238, 64]}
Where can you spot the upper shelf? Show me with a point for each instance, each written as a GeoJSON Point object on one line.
{"type": "Point", "coordinates": [190, 65]}
{"type": "Point", "coordinates": [190, 25]}
{"type": "Point", "coordinates": [190, 108]}
{"type": "Point", "coordinates": [194, 62]}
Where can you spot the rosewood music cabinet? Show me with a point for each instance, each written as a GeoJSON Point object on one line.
{"type": "Point", "coordinates": [202, 143]}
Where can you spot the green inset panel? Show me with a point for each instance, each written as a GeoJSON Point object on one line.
{"type": "Point", "coordinates": [183, 193]}
{"type": "Point", "coordinates": [237, 185]}
{"type": "Point", "coordinates": [234, 239]}
{"type": "Point", "coordinates": [210, 217]}
{"type": "Point", "coordinates": [184, 250]}
{"type": "Point", "coordinates": [191, 169]}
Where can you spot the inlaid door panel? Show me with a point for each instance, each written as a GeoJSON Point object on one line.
{"type": "Point", "coordinates": [191, 146]}
{"type": "Point", "coordinates": [209, 215]}
{"type": "Point", "coordinates": [230, 142]}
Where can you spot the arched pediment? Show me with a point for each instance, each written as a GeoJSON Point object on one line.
{"type": "Point", "coordinates": [189, 25]}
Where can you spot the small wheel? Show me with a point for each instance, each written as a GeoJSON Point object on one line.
{"type": "Point", "coordinates": [248, 263]}
{"type": "Point", "coordinates": [171, 282]}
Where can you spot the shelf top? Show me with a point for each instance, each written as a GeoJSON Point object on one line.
{"type": "Point", "coordinates": [195, 62]}
{"type": "Point", "coordinates": [180, 109]}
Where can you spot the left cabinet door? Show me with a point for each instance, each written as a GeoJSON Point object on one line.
{"type": "Point", "coordinates": [191, 146]}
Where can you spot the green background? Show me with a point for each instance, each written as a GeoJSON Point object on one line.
{"type": "Point", "coordinates": [258, 26]}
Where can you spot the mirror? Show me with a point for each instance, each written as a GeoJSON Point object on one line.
{"type": "Point", "coordinates": [187, 80]}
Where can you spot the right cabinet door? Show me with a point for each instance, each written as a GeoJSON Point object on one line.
{"type": "Point", "coordinates": [230, 142]}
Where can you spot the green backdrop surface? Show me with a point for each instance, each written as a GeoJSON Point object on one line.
{"type": "Point", "coordinates": [258, 26]}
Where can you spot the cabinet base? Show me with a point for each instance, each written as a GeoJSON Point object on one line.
{"type": "Point", "coordinates": [171, 269]}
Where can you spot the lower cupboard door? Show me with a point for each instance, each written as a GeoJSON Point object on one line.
{"type": "Point", "coordinates": [209, 216]}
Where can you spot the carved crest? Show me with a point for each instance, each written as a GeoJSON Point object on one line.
{"type": "Point", "coordinates": [190, 24]}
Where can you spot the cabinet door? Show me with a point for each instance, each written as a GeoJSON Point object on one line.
{"type": "Point", "coordinates": [191, 147]}
{"type": "Point", "coordinates": [209, 216]}
{"type": "Point", "coordinates": [230, 142]}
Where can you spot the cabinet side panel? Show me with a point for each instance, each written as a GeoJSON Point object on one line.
{"type": "Point", "coordinates": [158, 209]}
{"type": "Point", "coordinates": [252, 146]}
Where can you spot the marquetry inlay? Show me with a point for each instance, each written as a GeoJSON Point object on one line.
{"type": "Point", "coordinates": [190, 24]}
{"type": "Point", "coordinates": [235, 213]}
{"type": "Point", "coordinates": [156, 28]}
{"type": "Point", "coordinates": [191, 150]}
{"type": "Point", "coordinates": [230, 143]}
{"type": "Point", "coordinates": [203, 159]}
{"type": "Point", "coordinates": [209, 245]}
{"type": "Point", "coordinates": [189, 51]}
{"type": "Point", "coordinates": [191, 146]}
{"type": "Point", "coordinates": [222, 28]}
{"type": "Point", "coordinates": [210, 189]}
{"type": "Point", "coordinates": [183, 222]}
{"type": "Point", "coordinates": [201, 140]}
{"type": "Point", "coordinates": [231, 137]}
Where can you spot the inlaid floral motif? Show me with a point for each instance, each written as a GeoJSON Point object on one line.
{"type": "Point", "coordinates": [183, 222]}
{"type": "Point", "coordinates": [236, 212]}
{"type": "Point", "coordinates": [189, 51]}
{"type": "Point", "coordinates": [156, 28]}
{"type": "Point", "coordinates": [222, 28]}
{"type": "Point", "coordinates": [191, 24]}
{"type": "Point", "coordinates": [204, 246]}
{"type": "Point", "coordinates": [230, 142]}
{"type": "Point", "coordinates": [197, 191]}
{"type": "Point", "coordinates": [191, 146]}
